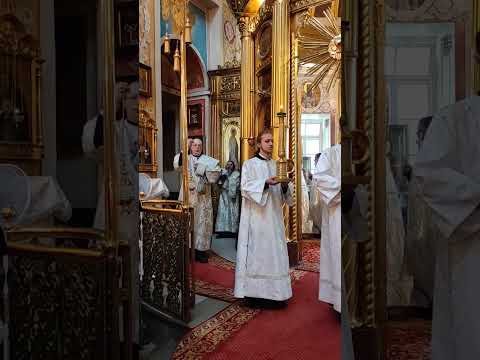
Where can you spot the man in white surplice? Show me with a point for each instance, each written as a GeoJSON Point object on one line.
{"type": "Point", "coordinates": [447, 170]}
{"type": "Point", "coordinates": [200, 195]}
{"type": "Point", "coordinates": [327, 178]}
{"type": "Point", "coordinates": [262, 268]}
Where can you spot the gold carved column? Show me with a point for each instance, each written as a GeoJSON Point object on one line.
{"type": "Point", "coordinates": [247, 74]}
{"type": "Point", "coordinates": [280, 66]}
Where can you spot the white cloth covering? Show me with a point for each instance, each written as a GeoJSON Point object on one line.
{"type": "Point", "coordinates": [327, 179]}
{"type": "Point", "coordinates": [262, 267]}
{"type": "Point", "coordinates": [448, 172]}
{"type": "Point", "coordinates": [48, 201]}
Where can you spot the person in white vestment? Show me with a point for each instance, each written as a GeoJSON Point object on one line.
{"type": "Point", "coordinates": [420, 236]}
{"type": "Point", "coordinates": [126, 135]}
{"type": "Point", "coordinates": [315, 208]}
{"type": "Point", "coordinates": [262, 267]}
{"type": "Point", "coordinates": [327, 178]}
{"type": "Point", "coordinates": [447, 169]}
{"type": "Point", "coordinates": [200, 195]}
{"type": "Point", "coordinates": [228, 214]}
{"type": "Point", "coordinates": [399, 283]}
{"type": "Point", "coordinates": [233, 148]}
{"type": "Point", "coordinates": [307, 223]}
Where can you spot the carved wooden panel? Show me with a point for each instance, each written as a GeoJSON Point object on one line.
{"type": "Point", "coordinates": [167, 283]}
{"type": "Point", "coordinates": [57, 306]}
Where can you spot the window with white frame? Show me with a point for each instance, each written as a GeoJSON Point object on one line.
{"type": "Point", "coordinates": [315, 130]}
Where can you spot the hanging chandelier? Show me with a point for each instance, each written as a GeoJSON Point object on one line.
{"type": "Point", "coordinates": [321, 42]}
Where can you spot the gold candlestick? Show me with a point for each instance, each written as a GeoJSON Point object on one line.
{"type": "Point", "coordinates": [283, 164]}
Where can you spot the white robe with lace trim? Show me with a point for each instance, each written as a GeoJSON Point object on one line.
{"type": "Point", "coordinates": [327, 180]}
{"type": "Point", "coordinates": [262, 269]}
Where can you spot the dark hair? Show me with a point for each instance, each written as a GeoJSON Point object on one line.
{"type": "Point", "coordinates": [424, 123]}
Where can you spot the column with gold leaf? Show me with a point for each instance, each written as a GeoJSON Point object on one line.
{"type": "Point", "coordinates": [280, 71]}
{"type": "Point", "coordinates": [247, 73]}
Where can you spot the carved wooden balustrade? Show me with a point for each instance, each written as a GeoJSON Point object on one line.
{"type": "Point", "coordinates": [64, 300]}
{"type": "Point", "coordinates": [167, 283]}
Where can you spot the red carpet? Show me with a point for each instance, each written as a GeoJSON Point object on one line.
{"type": "Point", "coordinates": [306, 330]}
{"type": "Point", "coordinates": [310, 256]}
{"type": "Point", "coordinates": [215, 279]}
{"type": "Point", "coordinates": [408, 340]}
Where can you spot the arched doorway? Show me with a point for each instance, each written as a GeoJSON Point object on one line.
{"type": "Point", "coordinates": [198, 109]}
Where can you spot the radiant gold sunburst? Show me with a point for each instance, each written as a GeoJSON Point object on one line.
{"type": "Point", "coordinates": [321, 42]}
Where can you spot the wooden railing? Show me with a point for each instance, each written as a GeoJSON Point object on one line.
{"type": "Point", "coordinates": [63, 302]}
{"type": "Point", "coordinates": [167, 284]}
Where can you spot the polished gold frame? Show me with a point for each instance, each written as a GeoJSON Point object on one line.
{"type": "Point", "coordinates": [149, 127]}
{"type": "Point", "coordinates": [18, 44]}
{"type": "Point", "coordinates": [225, 85]}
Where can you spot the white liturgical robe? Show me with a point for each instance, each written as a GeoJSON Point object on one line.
{"type": "Point", "coordinates": [399, 284]}
{"type": "Point", "coordinates": [200, 197]}
{"type": "Point", "coordinates": [307, 222]}
{"type": "Point", "coordinates": [327, 178]}
{"type": "Point", "coordinates": [262, 269]}
{"type": "Point", "coordinates": [448, 172]}
{"type": "Point", "coordinates": [126, 135]}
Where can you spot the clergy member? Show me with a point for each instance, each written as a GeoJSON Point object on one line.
{"type": "Point", "coordinates": [126, 161]}
{"type": "Point", "coordinates": [228, 213]}
{"type": "Point", "coordinates": [307, 223]}
{"type": "Point", "coordinates": [448, 172]}
{"type": "Point", "coordinates": [262, 270]}
{"type": "Point", "coordinates": [327, 180]}
{"type": "Point", "coordinates": [200, 193]}
{"type": "Point", "coordinates": [315, 210]}
{"type": "Point", "coordinates": [399, 283]}
{"type": "Point", "coordinates": [420, 235]}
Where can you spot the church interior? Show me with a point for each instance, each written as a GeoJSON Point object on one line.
{"type": "Point", "coordinates": [100, 100]}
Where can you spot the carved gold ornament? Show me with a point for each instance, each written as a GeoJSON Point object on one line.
{"type": "Point", "coordinates": [320, 40]}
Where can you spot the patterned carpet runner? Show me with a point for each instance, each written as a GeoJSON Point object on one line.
{"type": "Point", "coordinates": [409, 340]}
{"type": "Point", "coordinates": [310, 256]}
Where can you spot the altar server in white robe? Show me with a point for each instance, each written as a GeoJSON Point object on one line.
{"type": "Point", "coordinates": [327, 178]}
{"type": "Point", "coordinates": [200, 195]}
{"type": "Point", "coordinates": [448, 172]}
{"type": "Point", "coordinates": [262, 270]}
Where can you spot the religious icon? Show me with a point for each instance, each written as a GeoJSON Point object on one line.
{"type": "Point", "coordinates": [311, 96]}
{"type": "Point", "coordinates": [128, 34]}
{"type": "Point", "coordinates": [195, 115]}
{"type": "Point", "coordinates": [233, 147]}
{"type": "Point", "coordinates": [229, 32]}
{"type": "Point", "coordinates": [265, 43]}
{"type": "Point", "coordinates": [145, 80]}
